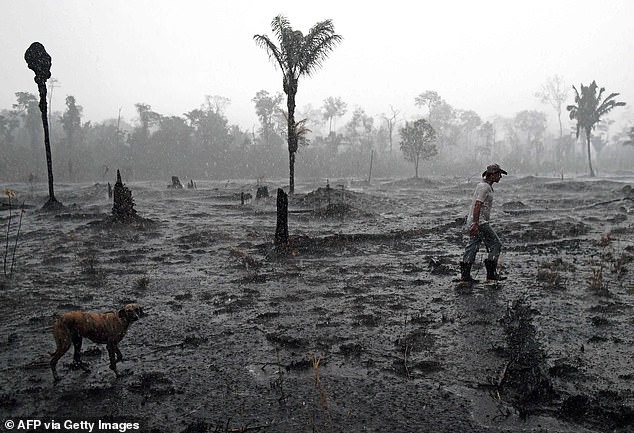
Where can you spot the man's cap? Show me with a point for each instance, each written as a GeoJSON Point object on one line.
{"type": "Point", "coordinates": [493, 169]}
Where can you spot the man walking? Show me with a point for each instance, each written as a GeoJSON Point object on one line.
{"type": "Point", "coordinates": [479, 228]}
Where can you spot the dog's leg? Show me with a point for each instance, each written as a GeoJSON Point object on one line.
{"type": "Point", "coordinates": [119, 355]}
{"type": "Point", "coordinates": [112, 353]}
{"type": "Point", "coordinates": [77, 340]}
{"type": "Point", "coordinates": [62, 340]}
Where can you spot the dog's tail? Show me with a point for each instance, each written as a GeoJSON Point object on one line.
{"type": "Point", "coordinates": [59, 332]}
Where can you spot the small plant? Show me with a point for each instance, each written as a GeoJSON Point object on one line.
{"type": "Point", "coordinates": [141, 284]}
{"type": "Point", "coordinates": [11, 195]}
{"type": "Point", "coordinates": [323, 400]}
{"type": "Point", "coordinates": [605, 240]}
{"type": "Point", "coordinates": [552, 274]}
{"type": "Point", "coordinates": [551, 279]}
{"type": "Point", "coordinates": [615, 257]}
{"type": "Point", "coordinates": [596, 282]}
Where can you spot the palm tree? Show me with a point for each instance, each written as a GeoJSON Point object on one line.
{"type": "Point", "coordinates": [589, 109]}
{"type": "Point", "coordinates": [297, 55]}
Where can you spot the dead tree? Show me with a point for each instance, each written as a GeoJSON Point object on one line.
{"type": "Point", "coordinates": [39, 61]}
{"type": "Point", "coordinates": [281, 230]}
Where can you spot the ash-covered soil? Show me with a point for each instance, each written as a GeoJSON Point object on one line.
{"type": "Point", "coordinates": [359, 328]}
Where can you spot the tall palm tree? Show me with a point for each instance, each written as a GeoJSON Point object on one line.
{"type": "Point", "coordinates": [297, 55]}
{"type": "Point", "coordinates": [589, 109]}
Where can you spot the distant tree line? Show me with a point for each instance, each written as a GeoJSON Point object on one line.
{"type": "Point", "coordinates": [203, 144]}
{"type": "Point", "coordinates": [524, 143]}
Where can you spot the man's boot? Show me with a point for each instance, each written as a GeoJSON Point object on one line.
{"type": "Point", "coordinates": [492, 274]}
{"type": "Point", "coordinates": [465, 271]}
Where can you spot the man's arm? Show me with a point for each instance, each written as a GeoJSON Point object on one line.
{"type": "Point", "coordinates": [476, 217]}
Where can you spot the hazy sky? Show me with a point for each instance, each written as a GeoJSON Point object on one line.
{"type": "Point", "coordinates": [487, 56]}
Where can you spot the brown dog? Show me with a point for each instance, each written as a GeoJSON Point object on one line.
{"type": "Point", "coordinates": [108, 329]}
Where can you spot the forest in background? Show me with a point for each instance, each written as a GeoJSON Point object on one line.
{"type": "Point", "coordinates": [203, 144]}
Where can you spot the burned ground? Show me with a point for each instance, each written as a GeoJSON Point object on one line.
{"type": "Point", "coordinates": [359, 328]}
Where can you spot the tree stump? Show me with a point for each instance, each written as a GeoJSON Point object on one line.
{"type": "Point", "coordinates": [176, 183]}
{"type": "Point", "coordinates": [123, 208]}
{"type": "Point", "coordinates": [262, 192]}
{"type": "Point", "coordinates": [281, 230]}
{"type": "Point", "coordinates": [245, 197]}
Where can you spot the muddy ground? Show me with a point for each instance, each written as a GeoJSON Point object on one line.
{"type": "Point", "coordinates": [360, 328]}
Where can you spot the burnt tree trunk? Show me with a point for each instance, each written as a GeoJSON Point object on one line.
{"type": "Point", "coordinates": [123, 207]}
{"type": "Point", "coordinates": [281, 230]}
{"type": "Point", "coordinates": [290, 88]}
{"type": "Point", "coordinates": [39, 61]}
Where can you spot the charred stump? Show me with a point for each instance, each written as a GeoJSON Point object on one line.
{"type": "Point", "coordinates": [525, 380]}
{"type": "Point", "coordinates": [123, 208]}
{"type": "Point", "coordinates": [281, 230]}
{"type": "Point", "coordinates": [176, 183]}
{"type": "Point", "coordinates": [245, 197]}
{"type": "Point", "coordinates": [262, 192]}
